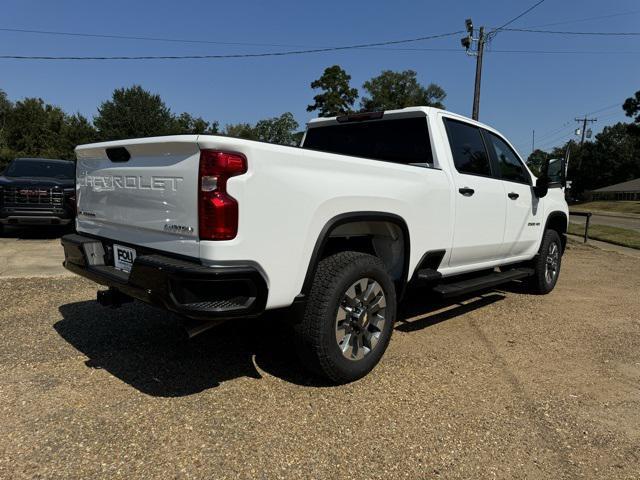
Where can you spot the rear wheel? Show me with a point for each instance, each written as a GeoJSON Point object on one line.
{"type": "Point", "coordinates": [349, 317]}
{"type": "Point", "coordinates": [547, 264]}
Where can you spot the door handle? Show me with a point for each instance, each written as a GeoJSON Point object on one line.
{"type": "Point", "coordinates": [466, 191]}
{"type": "Point", "coordinates": [513, 195]}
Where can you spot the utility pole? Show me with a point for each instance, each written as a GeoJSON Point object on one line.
{"type": "Point", "coordinates": [584, 131]}
{"type": "Point", "coordinates": [584, 126]}
{"type": "Point", "coordinates": [467, 43]}
{"type": "Point", "coordinates": [533, 141]}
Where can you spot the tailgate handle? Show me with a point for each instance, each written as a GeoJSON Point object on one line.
{"type": "Point", "coordinates": [118, 154]}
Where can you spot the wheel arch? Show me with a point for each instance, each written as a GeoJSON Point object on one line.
{"type": "Point", "coordinates": [344, 219]}
{"type": "Point", "coordinates": [559, 222]}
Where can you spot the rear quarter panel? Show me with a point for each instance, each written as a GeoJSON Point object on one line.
{"type": "Point", "coordinates": [289, 194]}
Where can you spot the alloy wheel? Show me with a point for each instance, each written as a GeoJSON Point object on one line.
{"type": "Point", "coordinates": [360, 319]}
{"type": "Point", "coordinates": [552, 263]}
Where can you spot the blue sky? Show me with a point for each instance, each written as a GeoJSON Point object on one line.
{"type": "Point", "coordinates": [520, 91]}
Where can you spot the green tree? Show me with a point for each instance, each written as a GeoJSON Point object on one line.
{"type": "Point", "coordinates": [133, 112]}
{"type": "Point", "coordinates": [337, 97]}
{"type": "Point", "coordinates": [297, 137]}
{"type": "Point", "coordinates": [34, 128]}
{"type": "Point", "coordinates": [186, 124]}
{"type": "Point", "coordinates": [631, 107]}
{"type": "Point", "coordinates": [5, 109]}
{"type": "Point", "coordinates": [391, 90]}
{"type": "Point", "coordinates": [536, 159]}
{"type": "Point", "coordinates": [611, 158]}
{"type": "Point", "coordinates": [77, 130]}
{"type": "Point", "coordinates": [280, 129]}
{"type": "Point", "coordinates": [618, 152]}
{"type": "Point", "coordinates": [240, 130]}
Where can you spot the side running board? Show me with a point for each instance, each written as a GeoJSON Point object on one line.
{"type": "Point", "coordinates": [447, 290]}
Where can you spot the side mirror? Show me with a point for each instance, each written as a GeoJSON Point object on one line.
{"type": "Point", "coordinates": [542, 186]}
{"type": "Point", "coordinates": [542, 183]}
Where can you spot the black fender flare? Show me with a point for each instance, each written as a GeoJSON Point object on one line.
{"type": "Point", "coordinates": [554, 216]}
{"type": "Point", "coordinates": [349, 217]}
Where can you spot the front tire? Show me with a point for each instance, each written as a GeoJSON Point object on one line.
{"type": "Point", "coordinates": [348, 318]}
{"type": "Point", "coordinates": [547, 264]}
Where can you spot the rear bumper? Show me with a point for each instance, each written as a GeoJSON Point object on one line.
{"type": "Point", "coordinates": [182, 286]}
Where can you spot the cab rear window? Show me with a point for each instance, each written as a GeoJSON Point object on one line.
{"type": "Point", "coordinates": [405, 141]}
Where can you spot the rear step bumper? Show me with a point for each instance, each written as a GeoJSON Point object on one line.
{"type": "Point", "coordinates": [183, 286]}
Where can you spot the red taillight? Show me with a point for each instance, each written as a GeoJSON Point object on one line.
{"type": "Point", "coordinates": [217, 210]}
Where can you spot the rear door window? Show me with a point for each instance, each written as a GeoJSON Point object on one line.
{"type": "Point", "coordinates": [511, 168]}
{"type": "Point", "coordinates": [467, 148]}
{"type": "Point", "coordinates": [404, 140]}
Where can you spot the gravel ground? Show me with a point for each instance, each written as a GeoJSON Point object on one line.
{"type": "Point", "coordinates": [505, 385]}
{"type": "Point", "coordinates": [32, 252]}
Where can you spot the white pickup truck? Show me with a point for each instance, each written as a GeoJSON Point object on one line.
{"type": "Point", "coordinates": [213, 228]}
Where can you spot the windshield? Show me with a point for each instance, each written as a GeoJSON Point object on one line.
{"type": "Point", "coordinates": [40, 168]}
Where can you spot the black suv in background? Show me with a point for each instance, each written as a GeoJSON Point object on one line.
{"type": "Point", "coordinates": [37, 191]}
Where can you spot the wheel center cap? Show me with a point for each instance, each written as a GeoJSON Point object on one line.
{"type": "Point", "coordinates": [361, 318]}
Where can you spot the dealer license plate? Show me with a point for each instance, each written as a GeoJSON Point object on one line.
{"type": "Point", "coordinates": [123, 257]}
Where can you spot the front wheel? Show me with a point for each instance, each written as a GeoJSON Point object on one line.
{"type": "Point", "coordinates": [349, 317]}
{"type": "Point", "coordinates": [547, 264]}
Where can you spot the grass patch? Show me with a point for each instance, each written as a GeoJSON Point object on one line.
{"type": "Point", "coordinates": [629, 206]}
{"type": "Point", "coordinates": [615, 235]}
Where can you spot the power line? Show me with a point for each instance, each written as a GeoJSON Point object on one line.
{"type": "Point", "coordinates": [147, 39]}
{"type": "Point", "coordinates": [621, 113]}
{"type": "Point", "coordinates": [579, 20]}
{"type": "Point", "coordinates": [569, 133]}
{"type": "Point", "coordinates": [236, 55]}
{"type": "Point", "coordinates": [215, 42]}
{"type": "Point", "coordinates": [519, 16]}
{"type": "Point", "coordinates": [565, 136]}
{"type": "Point", "coordinates": [400, 49]}
{"type": "Point", "coordinates": [493, 50]}
{"type": "Point", "coordinates": [566, 52]}
{"type": "Point", "coordinates": [603, 109]}
{"type": "Point", "coordinates": [561, 32]}
{"type": "Point", "coordinates": [553, 135]}
{"type": "Point", "coordinates": [534, 52]}
{"type": "Point", "coordinates": [308, 48]}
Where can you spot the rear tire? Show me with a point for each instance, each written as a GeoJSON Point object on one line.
{"type": "Point", "coordinates": [547, 264]}
{"type": "Point", "coordinates": [349, 317]}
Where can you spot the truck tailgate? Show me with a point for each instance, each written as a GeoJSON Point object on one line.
{"type": "Point", "coordinates": [148, 199]}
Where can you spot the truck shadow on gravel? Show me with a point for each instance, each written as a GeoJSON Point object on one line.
{"type": "Point", "coordinates": [147, 349]}
{"type": "Point", "coordinates": [419, 311]}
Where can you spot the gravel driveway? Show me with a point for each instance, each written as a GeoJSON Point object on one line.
{"type": "Point", "coordinates": [505, 385]}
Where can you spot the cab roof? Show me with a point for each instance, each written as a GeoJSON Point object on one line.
{"type": "Point", "coordinates": [406, 112]}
